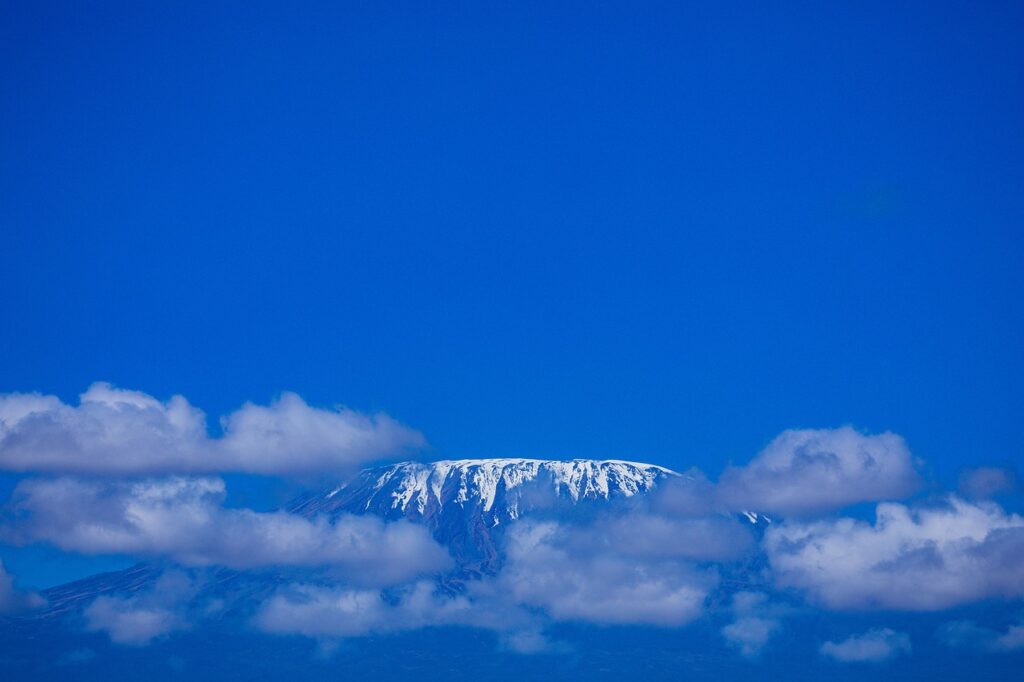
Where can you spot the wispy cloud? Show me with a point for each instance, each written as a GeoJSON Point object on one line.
{"type": "Point", "coordinates": [986, 482]}
{"type": "Point", "coordinates": [756, 621]}
{"type": "Point", "coordinates": [965, 633]}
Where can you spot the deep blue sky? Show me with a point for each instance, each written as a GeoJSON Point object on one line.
{"type": "Point", "coordinates": [528, 229]}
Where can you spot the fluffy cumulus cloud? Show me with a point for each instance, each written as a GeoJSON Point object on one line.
{"type": "Point", "coordinates": [551, 572]}
{"type": "Point", "coordinates": [552, 567]}
{"type": "Point", "coordinates": [965, 633]}
{"type": "Point", "coordinates": [808, 471]}
{"type": "Point", "coordinates": [115, 431]}
{"type": "Point", "coordinates": [641, 569]}
{"type": "Point", "coordinates": [138, 619]}
{"type": "Point", "coordinates": [924, 558]}
{"type": "Point", "coordinates": [182, 518]}
{"type": "Point", "coordinates": [13, 600]}
{"type": "Point", "coordinates": [873, 646]}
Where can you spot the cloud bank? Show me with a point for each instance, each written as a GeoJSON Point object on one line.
{"type": "Point", "coordinates": [120, 432]}
{"type": "Point", "coordinates": [662, 561]}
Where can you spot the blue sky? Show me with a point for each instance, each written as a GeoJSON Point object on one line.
{"type": "Point", "coordinates": [664, 233]}
{"type": "Point", "coordinates": [661, 233]}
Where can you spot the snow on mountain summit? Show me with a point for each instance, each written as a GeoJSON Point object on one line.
{"type": "Point", "coordinates": [413, 488]}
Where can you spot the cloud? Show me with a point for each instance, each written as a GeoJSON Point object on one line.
{"type": "Point", "coordinates": [182, 518]}
{"type": "Point", "coordinates": [13, 600]}
{"type": "Point", "coordinates": [139, 619]}
{"type": "Point", "coordinates": [576, 581]}
{"type": "Point", "coordinates": [652, 536]}
{"type": "Point", "coordinates": [807, 471]}
{"type": "Point", "coordinates": [750, 634]}
{"type": "Point", "coordinates": [119, 432]}
{"type": "Point", "coordinates": [756, 622]}
{"type": "Point", "coordinates": [965, 633]}
{"type": "Point", "coordinates": [339, 611]}
{"type": "Point", "coordinates": [874, 646]}
{"type": "Point", "coordinates": [688, 495]}
{"type": "Point", "coordinates": [591, 572]}
{"type": "Point", "coordinates": [919, 559]}
{"type": "Point", "coordinates": [986, 482]}
{"type": "Point", "coordinates": [316, 611]}
{"type": "Point", "coordinates": [529, 641]}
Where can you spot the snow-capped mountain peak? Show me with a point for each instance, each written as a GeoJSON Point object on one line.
{"type": "Point", "coordinates": [412, 488]}
{"type": "Point", "coordinates": [464, 502]}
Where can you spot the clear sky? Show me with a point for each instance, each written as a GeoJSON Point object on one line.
{"type": "Point", "coordinates": [662, 232]}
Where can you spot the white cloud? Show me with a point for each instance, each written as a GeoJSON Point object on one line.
{"type": "Point", "coordinates": [338, 611]}
{"type": "Point", "coordinates": [917, 559]}
{"type": "Point", "coordinates": [138, 619]}
{"type": "Point", "coordinates": [182, 518]}
{"type": "Point", "coordinates": [121, 432]}
{"type": "Point", "coordinates": [589, 573]}
{"type": "Point", "coordinates": [750, 634]}
{"type": "Point", "coordinates": [323, 612]}
{"type": "Point", "coordinates": [13, 600]}
{"type": "Point", "coordinates": [651, 536]}
{"type": "Point", "coordinates": [873, 646]}
{"type": "Point", "coordinates": [569, 580]}
{"type": "Point", "coordinates": [807, 471]}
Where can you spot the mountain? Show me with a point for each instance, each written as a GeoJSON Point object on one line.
{"type": "Point", "coordinates": [466, 502]}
